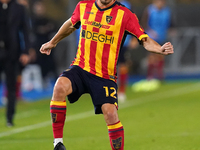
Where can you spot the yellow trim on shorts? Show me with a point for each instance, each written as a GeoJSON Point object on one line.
{"type": "Point", "coordinates": [58, 103]}
{"type": "Point", "coordinates": [115, 126]}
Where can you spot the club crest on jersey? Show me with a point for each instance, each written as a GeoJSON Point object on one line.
{"type": "Point", "coordinates": [108, 19]}
{"type": "Point", "coordinates": [117, 143]}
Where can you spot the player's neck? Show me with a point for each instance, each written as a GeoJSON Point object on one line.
{"type": "Point", "coordinates": [101, 5]}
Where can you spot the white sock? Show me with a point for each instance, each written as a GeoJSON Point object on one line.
{"type": "Point", "coordinates": [57, 140]}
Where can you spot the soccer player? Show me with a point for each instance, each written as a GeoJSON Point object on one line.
{"type": "Point", "coordinates": [156, 21]}
{"type": "Point", "coordinates": [14, 46]}
{"type": "Point", "coordinates": [104, 25]}
{"type": "Point", "coordinates": [122, 63]}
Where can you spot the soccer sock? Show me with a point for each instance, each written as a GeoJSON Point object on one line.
{"type": "Point", "coordinates": [150, 71]}
{"type": "Point", "coordinates": [58, 114]}
{"type": "Point", "coordinates": [116, 135]}
{"type": "Point", "coordinates": [160, 70]}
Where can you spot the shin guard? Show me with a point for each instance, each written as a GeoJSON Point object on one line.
{"type": "Point", "coordinates": [116, 135]}
{"type": "Point", "coordinates": [58, 114]}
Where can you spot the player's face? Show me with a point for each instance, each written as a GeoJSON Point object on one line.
{"type": "Point", "coordinates": [159, 3]}
{"type": "Point", "coordinates": [105, 2]}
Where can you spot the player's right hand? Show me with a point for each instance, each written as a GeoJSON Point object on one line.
{"type": "Point", "coordinates": [46, 48]}
{"type": "Point", "coordinates": [167, 49]}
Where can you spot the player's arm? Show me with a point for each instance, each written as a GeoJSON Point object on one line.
{"type": "Point", "coordinates": [134, 28]}
{"type": "Point", "coordinates": [66, 29]}
{"type": "Point", "coordinates": [152, 46]}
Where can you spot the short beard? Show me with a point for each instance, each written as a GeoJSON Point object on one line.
{"type": "Point", "coordinates": [105, 3]}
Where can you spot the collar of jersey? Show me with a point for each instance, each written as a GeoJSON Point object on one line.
{"type": "Point", "coordinates": [106, 7]}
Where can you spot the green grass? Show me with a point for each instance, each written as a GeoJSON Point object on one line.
{"type": "Point", "coordinates": [165, 119]}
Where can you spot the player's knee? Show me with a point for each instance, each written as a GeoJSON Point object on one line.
{"type": "Point", "coordinates": [59, 88]}
{"type": "Point", "coordinates": [61, 91]}
{"type": "Point", "coordinates": [111, 116]}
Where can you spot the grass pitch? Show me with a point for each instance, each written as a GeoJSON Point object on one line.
{"type": "Point", "coordinates": [165, 119]}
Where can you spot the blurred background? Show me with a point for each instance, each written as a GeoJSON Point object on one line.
{"type": "Point", "coordinates": [160, 105]}
{"type": "Point", "coordinates": [46, 16]}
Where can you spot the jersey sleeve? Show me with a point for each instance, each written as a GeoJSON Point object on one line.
{"type": "Point", "coordinates": [134, 28]}
{"type": "Point", "coordinates": [75, 18]}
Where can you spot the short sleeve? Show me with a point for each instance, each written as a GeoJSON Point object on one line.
{"type": "Point", "coordinates": [134, 28]}
{"type": "Point", "coordinates": [75, 18]}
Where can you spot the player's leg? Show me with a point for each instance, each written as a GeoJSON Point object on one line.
{"type": "Point", "coordinates": [104, 97]}
{"type": "Point", "coordinates": [160, 68]}
{"type": "Point", "coordinates": [11, 75]}
{"type": "Point", "coordinates": [123, 76]}
{"type": "Point", "coordinates": [58, 108]}
{"type": "Point", "coordinates": [115, 128]}
{"type": "Point", "coordinates": [66, 85]}
{"type": "Point", "coordinates": [151, 66]}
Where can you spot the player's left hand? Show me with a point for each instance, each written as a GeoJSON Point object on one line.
{"type": "Point", "coordinates": [167, 49]}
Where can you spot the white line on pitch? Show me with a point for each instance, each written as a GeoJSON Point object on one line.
{"type": "Point", "coordinates": [158, 96]}
{"type": "Point", "coordinates": [46, 123]}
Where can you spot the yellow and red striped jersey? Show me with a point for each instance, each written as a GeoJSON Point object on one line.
{"type": "Point", "coordinates": [102, 34]}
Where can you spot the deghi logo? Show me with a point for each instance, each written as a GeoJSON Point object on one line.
{"type": "Point", "coordinates": [97, 37]}
{"type": "Point", "coordinates": [96, 24]}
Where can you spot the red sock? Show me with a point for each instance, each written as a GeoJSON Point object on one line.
{"type": "Point", "coordinates": [122, 82]}
{"type": "Point", "coordinates": [58, 114]}
{"type": "Point", "coordinates": [116, 135]}
{"type": "Point", "coordinates": [150, 71]}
